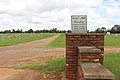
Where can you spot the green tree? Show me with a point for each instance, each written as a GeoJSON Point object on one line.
{"type": "Point", "coordinates": [115, 29]}
{"type": "Point", "coordinates": [101, 30]}
{"type": "Point", "coordinates": [13, 30]}
{"type": "Point", "coordinates": [30, 31]}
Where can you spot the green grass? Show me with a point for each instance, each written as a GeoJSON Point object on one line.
{"type": "Point", "coordinates": [112, 63]}
{"type": "Point", "coordinates": [112, 40]}
{"type": "Point", "coordinates": [11, 39]}
{"type": "Point", "coordinates": [58, 43]}
{"type": "Point", "coordinates": [56, 65]}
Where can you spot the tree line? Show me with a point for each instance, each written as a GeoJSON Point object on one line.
{"type": "Point", "coordinates": [113, 30]}
{"type": "Point", "coordinates": [54, 30]}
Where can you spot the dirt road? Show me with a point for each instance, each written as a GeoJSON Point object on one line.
{"type": "Point", "coordinates": [26, 53]}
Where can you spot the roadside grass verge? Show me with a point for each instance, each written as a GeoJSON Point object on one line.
{"type": "Point", "coordinates": [112, 63]}
{"type": "Point", "coordinates": [58, 43]}
{"type": "Point", "coordinates": [55, 65]}
{"type": "Point", "coordinates": [112, 40]}
{"type": "Point", "coordinates": [12, 39]}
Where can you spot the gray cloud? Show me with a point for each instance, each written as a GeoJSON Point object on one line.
{"type": "Point", "coordinates": [40, 14]}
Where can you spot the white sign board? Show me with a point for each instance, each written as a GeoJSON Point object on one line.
{"type": "Point", "coordinates": [79, 23]}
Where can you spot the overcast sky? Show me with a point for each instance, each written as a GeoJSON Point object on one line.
{"type": "Point", "coordinates": [48, 14]}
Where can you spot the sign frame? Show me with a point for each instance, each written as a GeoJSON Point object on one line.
{"type": "Point", "coordinates": [79, 25]}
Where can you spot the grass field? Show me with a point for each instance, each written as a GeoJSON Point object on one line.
{"type": "Point", "coordinates": [11, 39]}
{"type": "Point", "coordinates": [58, 43]}
{"type": "Point", "coordinates": [112, 62]}
{"type": "Point", "coordinates": [55, 65]}
{"type": "Point", "coordinates": [112, 40]}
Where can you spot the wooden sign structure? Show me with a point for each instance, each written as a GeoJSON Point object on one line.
{"type": "Point", "coordinates": [79, 23]}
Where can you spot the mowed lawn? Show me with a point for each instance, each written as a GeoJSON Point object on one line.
{"type": "Point", "coordinates": [112, 40]}
{"type": "Point", "coordinates": [11, 39]}
{"type": "Point", "coordinates": [112, 63]}
{"type": "Point", "coordinates": [109, 40]}
{"type": "Point", "coordinates": [58, 43]}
